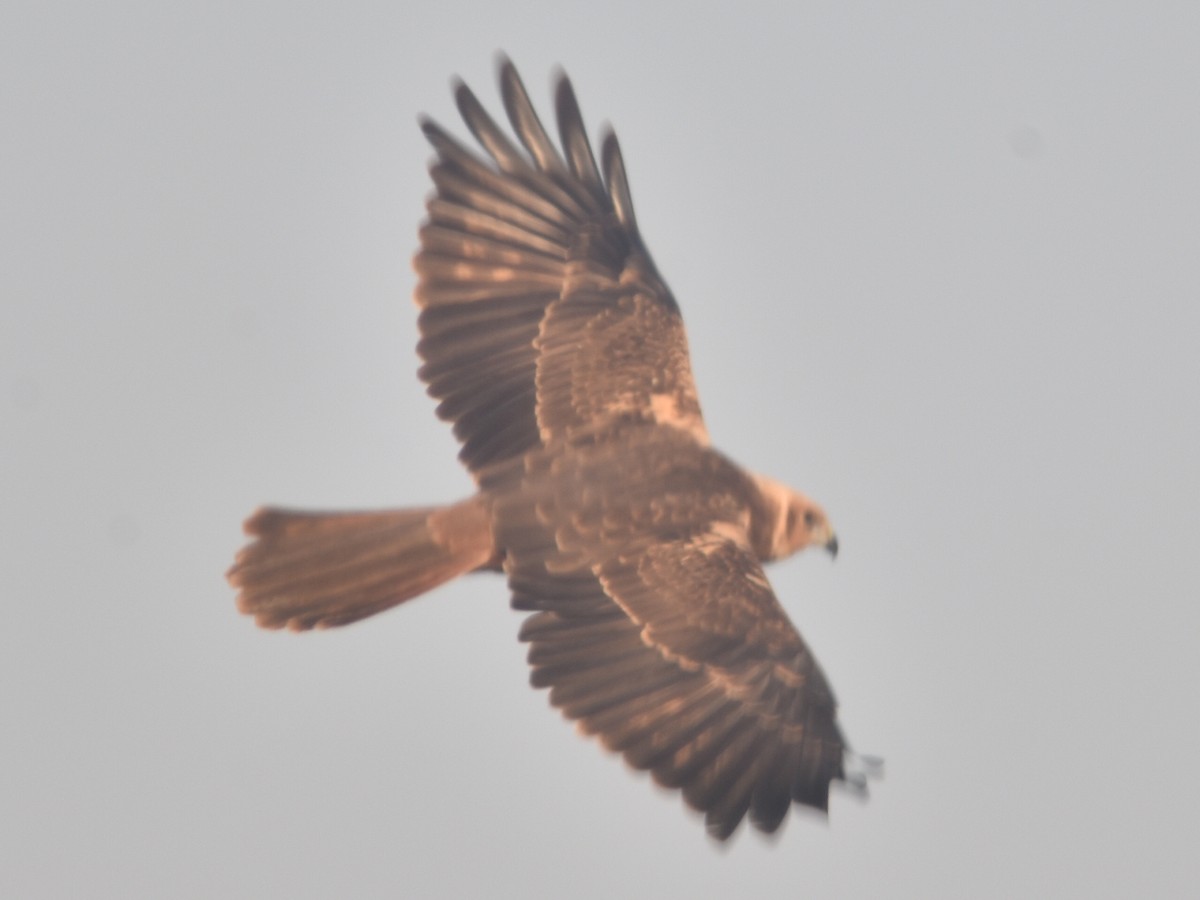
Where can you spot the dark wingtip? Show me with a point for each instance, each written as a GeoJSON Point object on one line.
{"type": "Point", "coordinates": [429, 127]}
{"type": "Point", "coordinates": [558, 76]}
{"type": "Point", "coordinates": [720, 830]}
{"type": "Point", "coordinates": [616, 180]}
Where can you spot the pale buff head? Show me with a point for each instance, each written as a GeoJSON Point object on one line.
{"type": "Point", "coordinates": [796, 521]}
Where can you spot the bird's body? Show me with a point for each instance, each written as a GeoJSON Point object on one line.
{"type": "Point", "coordinates": [559, 354]}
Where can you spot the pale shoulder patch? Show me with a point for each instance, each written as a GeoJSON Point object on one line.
{"type": "Point", "coordinates": [667, 409]}
{"type": "Point", "coordinates": [720, 533]}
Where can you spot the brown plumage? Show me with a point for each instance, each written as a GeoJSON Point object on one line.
{"type": "Point", "coordinates": [559, 355]}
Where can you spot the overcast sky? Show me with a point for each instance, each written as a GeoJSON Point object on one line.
{"type": "Point", "coordinates": [939, 268]}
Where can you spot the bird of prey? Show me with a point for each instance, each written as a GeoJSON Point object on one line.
{"type": "Point", "coordinates": [557, 351]}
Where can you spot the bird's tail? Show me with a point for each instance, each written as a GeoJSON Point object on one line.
{"type": "Point", "coordinates": [317, 570]}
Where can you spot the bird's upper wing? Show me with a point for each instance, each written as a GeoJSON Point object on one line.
{"type": "Point", "coordinates": [542, 315]}
{"type": "Point", "coordinates": [657, 630]}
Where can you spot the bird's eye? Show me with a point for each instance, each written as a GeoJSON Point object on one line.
{"type": "Point", "coordinates": [810, 519]}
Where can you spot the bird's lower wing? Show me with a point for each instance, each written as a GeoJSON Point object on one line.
{"type": "Point", "coordinates": [677, 656]}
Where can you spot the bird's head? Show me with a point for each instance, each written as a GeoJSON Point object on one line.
{"type": "Point", "coordinates": [798, 521]}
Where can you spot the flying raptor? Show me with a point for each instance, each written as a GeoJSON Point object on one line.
{"type": "Point", "coordinates": [557, 351]}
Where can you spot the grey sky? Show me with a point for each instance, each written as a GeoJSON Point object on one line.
{"type": "Point", "coordinates": [938, 265]}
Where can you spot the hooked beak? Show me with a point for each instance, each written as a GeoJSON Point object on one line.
{"type": "Point", "coordinates": [832, 545]}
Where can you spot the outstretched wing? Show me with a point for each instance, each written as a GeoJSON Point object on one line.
{"type": "Point", "coordinates": [657, 630]}
{"type": "Point", "coordinates": [542, 314]}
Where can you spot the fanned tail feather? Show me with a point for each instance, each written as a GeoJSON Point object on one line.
{"type": "Point", "coordinates": [317, 570]}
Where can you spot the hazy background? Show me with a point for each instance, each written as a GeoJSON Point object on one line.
{"type": "Point", "coordinates": [939, 267]}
